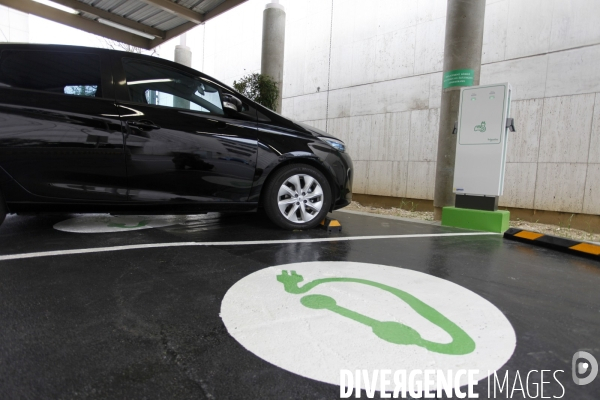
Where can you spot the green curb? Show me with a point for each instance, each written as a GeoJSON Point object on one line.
{"type": "Point", "coordinates": [478, 220]}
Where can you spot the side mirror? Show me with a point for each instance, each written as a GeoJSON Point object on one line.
{"type": "Point", "coordinates": [232, 103]}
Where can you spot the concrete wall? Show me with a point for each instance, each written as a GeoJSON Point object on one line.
{"type": "Point", "coordinates": [369, 73]}
{"type": "Point", "coordinates": [14, 26]}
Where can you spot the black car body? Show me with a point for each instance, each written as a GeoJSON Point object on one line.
{"type": "Point", "coordinates": [96, 130]}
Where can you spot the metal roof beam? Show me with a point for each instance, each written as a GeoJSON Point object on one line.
{"type": "Point", "coordinates": [178, 30]}
{"type": "Point", "coordinates": [221, 8]}
{"type": "Point", "coordinates": [78, 5]}
{"type": "Point", "coordinates": [176, 9]}
{"type": "Point", "coordinates": [172, 33]}
{"type": "Point", "coordinates": [94, 27]}
{"type": "Point", "coordinates": [78, 22]}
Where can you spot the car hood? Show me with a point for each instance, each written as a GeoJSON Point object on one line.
{"type": "Point", "coordinates": [316, 132]}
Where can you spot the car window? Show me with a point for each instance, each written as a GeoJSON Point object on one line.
{"type": "Point", "coordinates": [81, 90]}
{"type": "Point", "coordinates": [74, 74]}
{"type": "Point", "coordinates": [151, 83]}
{"type": "Point", "coordinates": [169, 100]}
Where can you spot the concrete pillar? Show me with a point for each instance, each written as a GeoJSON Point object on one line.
{"type": "Point", "coordinates": [273, 40]}
{"type": "Point", "coordinates": [183, 55]}
{"type": "Point", "coordinates": [462, 51]}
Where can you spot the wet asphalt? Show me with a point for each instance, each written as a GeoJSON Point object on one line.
{"type": "Point", "coordinates": [144, 323]}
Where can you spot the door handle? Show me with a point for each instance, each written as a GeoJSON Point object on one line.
{"type": "Point", "coordinates": [220, 124]}
{"type": "Point", "coordinates": [143, 124]}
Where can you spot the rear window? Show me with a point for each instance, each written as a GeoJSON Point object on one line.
{"type": "Point", "coordinates": [73, 74]}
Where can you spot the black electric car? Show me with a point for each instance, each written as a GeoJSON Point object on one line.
{"type": "Point", "coordinates": [94, 130]}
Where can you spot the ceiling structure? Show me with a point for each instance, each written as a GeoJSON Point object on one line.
{"type": "Point", "coordinates": [140, 23]}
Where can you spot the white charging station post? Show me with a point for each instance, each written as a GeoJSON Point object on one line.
{"type": "Point", "coordinates": [482, 138]}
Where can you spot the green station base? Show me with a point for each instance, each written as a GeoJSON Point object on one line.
{"type": "Point", "coordinates": [479, 220]}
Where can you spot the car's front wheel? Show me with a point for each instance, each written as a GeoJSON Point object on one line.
{"type": "Point", "coordinates": [298, 196]}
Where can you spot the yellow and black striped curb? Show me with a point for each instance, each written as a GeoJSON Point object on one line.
{"type": "Point", "coordinates": [332, 225]}
{"type": "Point", "coordinates": [552, 242]}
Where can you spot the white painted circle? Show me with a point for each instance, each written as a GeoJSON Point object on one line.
{"type": "Point", "coordinates": [109, 223]}
{"type": "Point", "coordinates": [318, 343]}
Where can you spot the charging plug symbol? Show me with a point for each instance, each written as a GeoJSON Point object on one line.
{"type": "Point", "coordinates": [390, 331]}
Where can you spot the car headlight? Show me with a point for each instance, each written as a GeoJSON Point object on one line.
{"type": "Point", "coordinates": [336, 144]}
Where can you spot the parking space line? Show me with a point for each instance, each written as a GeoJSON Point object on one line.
{"type": "Point", "coordinates": [239, 243]}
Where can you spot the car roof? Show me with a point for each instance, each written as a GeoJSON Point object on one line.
{"type": "Point", "coordinates": [85, 49]}
{"type": "Point", "coordinates": [52, 47]}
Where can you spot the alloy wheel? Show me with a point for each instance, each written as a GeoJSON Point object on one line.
{"type": "Point", "coordinates": [300, 198]}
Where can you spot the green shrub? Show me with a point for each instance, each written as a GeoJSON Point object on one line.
{"type": "Point", "coordinates": [260, 88]}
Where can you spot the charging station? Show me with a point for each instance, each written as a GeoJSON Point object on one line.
{"type": "Point", "coordinates": [481, 144]}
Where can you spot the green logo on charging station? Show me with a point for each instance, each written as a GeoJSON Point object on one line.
{"type": "Point", "coordinates": [480, 127]}
{"type": "Point", "coordinates": [390, 331]}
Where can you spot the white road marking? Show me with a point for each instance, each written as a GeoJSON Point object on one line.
{"type": "Point", "coordinates": [304, 320]}
{"type": "Point", "coordinates": [239, 243]}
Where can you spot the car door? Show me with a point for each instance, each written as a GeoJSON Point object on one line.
{"type": "Point", "coordinates": [60, 135]}
{"type": "Point", "coordinates": [182, 144]}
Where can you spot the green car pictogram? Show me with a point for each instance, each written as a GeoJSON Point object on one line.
{"type": "Point", "coordinates": [480, 128]}
{"type": "Point", "coordinates": [390, 331]}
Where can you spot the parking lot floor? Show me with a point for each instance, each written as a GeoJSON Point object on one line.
{"type": "Point", "coordinates": [136, 313]}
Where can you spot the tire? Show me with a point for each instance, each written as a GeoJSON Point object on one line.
{"type": "Point", "coordinates": [298, 196]}
{"type": "Point", "coordinates": [2, 209]}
